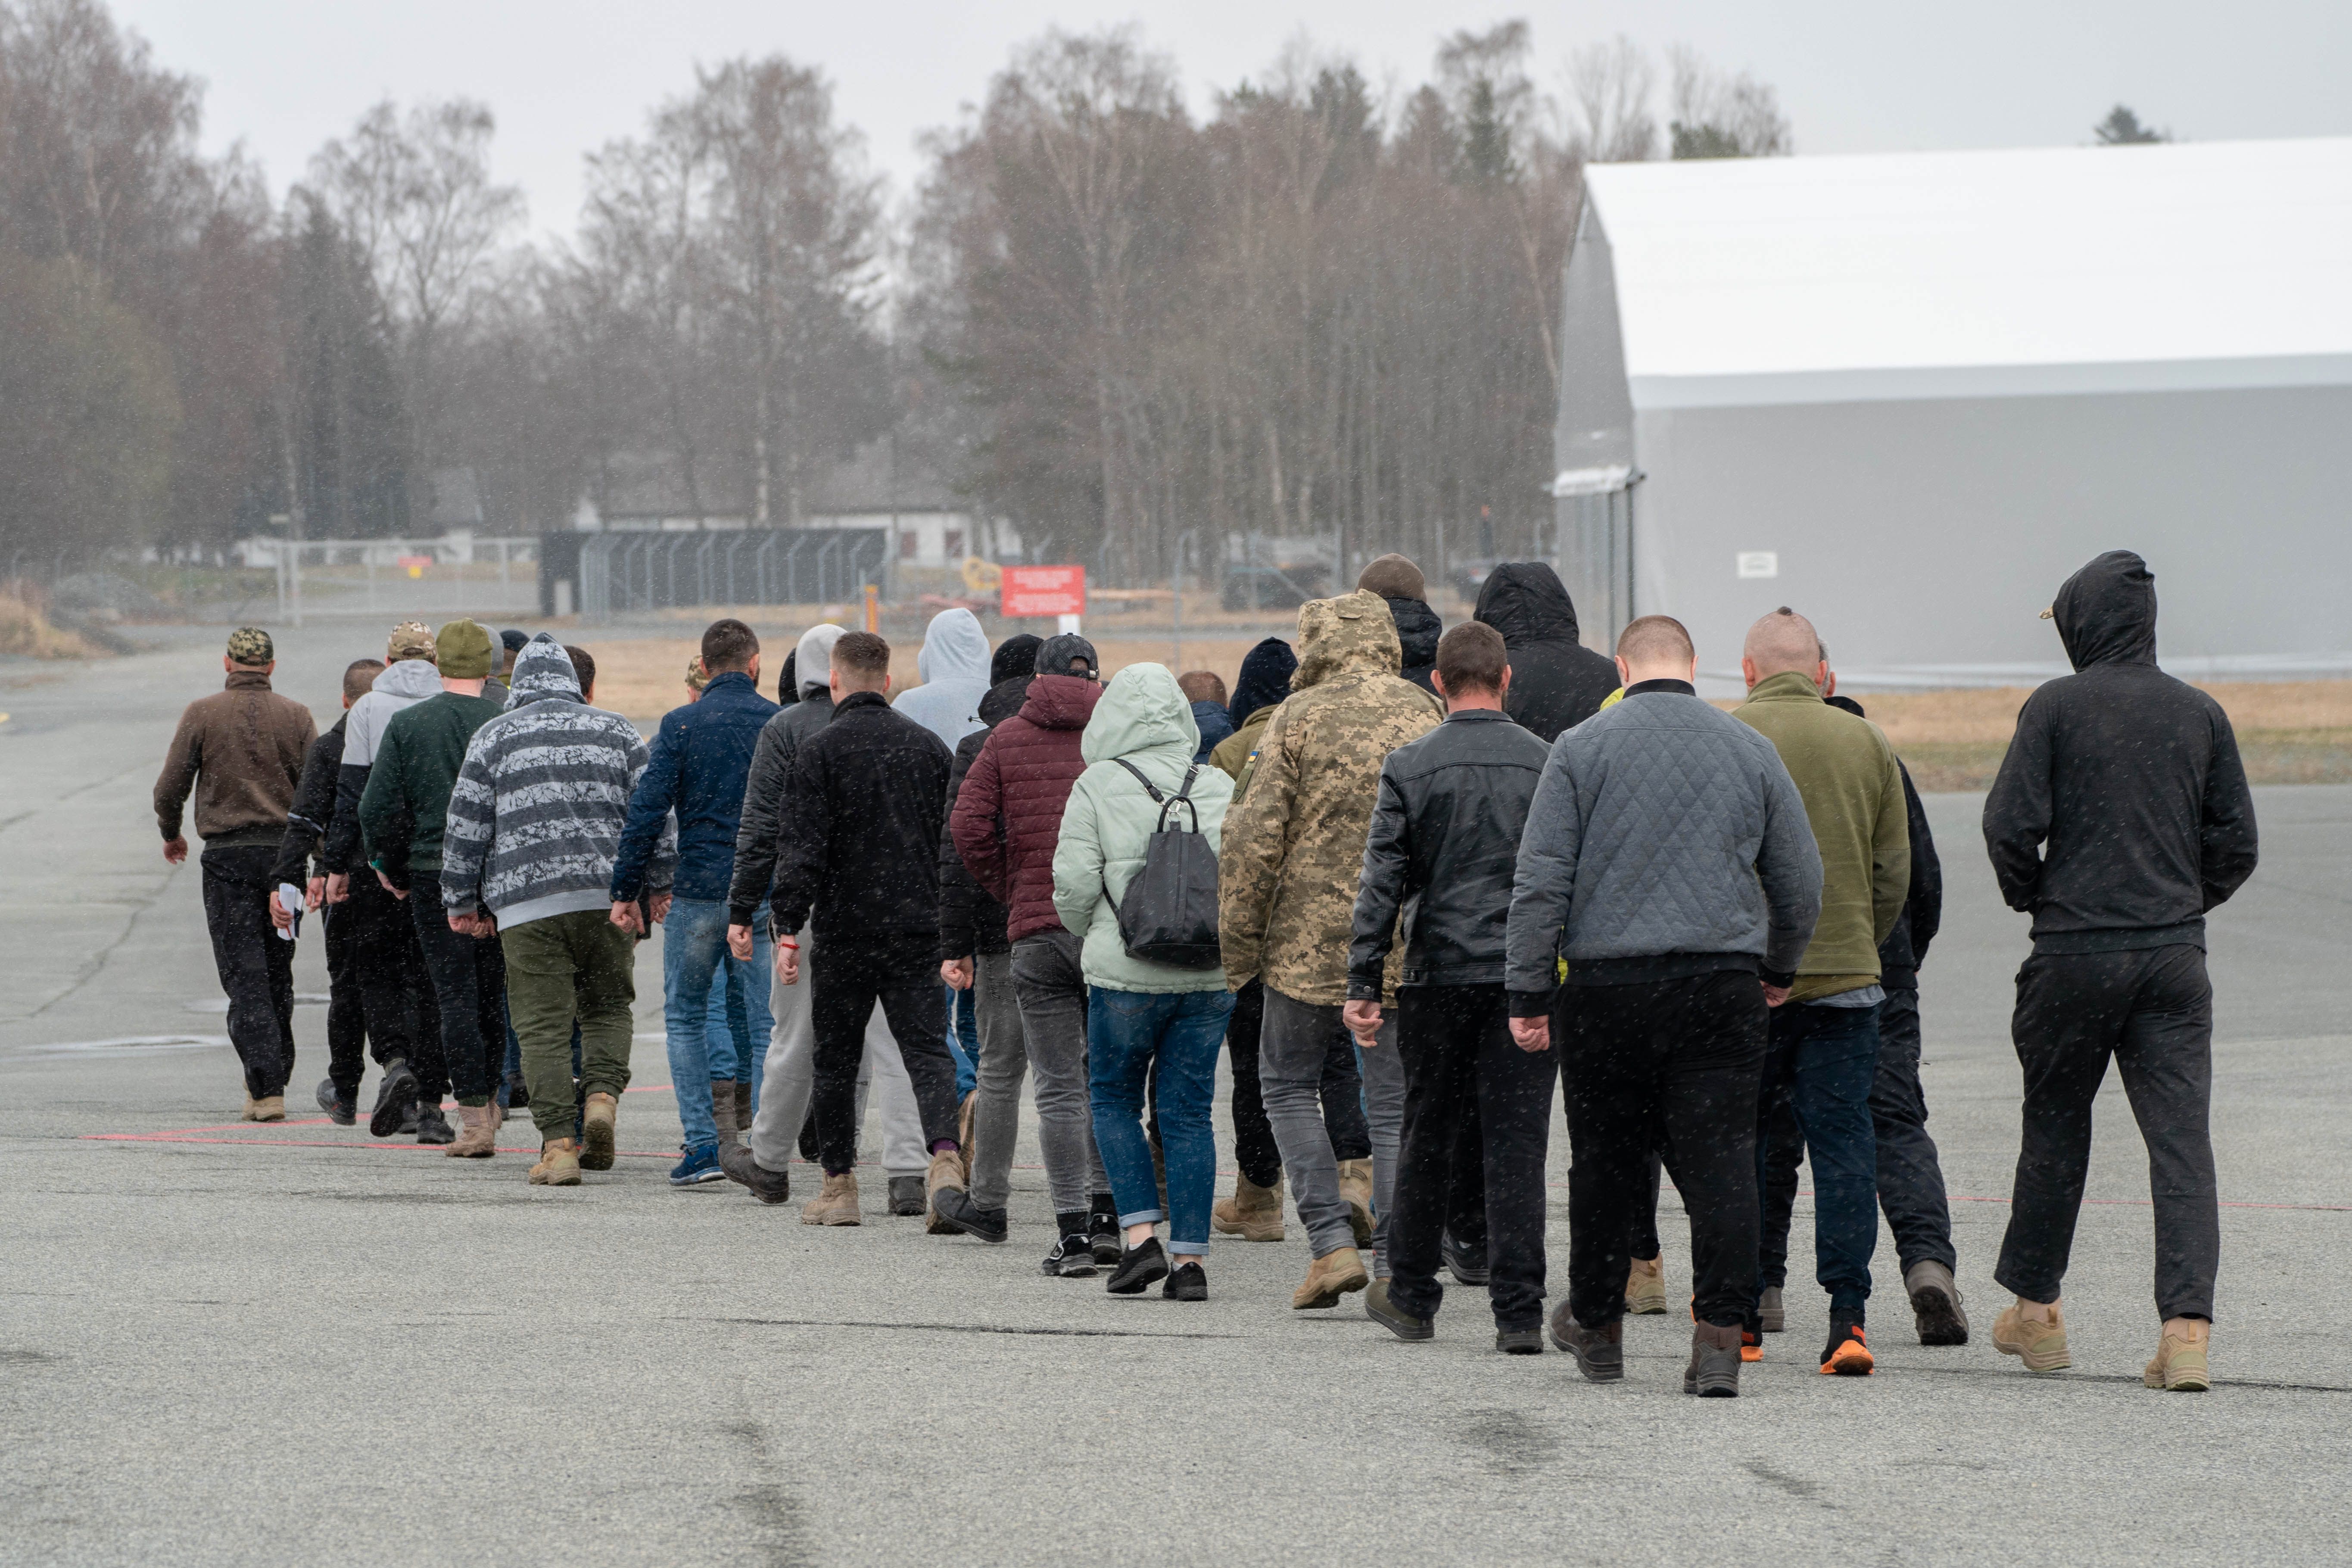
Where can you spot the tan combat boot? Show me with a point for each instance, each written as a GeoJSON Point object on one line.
{"type": "Point", "coordinates": [598, 1131]}
{"type": "Point", "coordinates": [1645, 1286]}
{"type": "Point", "coordinates": [1332, 1276]}
{"type": "Point", "coordinates": [947, 1171]}
{"type": "Point", "coordinates": [269, 1108]}
{"type": "Point", "coordinates": [246, 1114]}
{"type": "Point", "coordinates": [1253, 1213]}
{"type": "Point", "coordinates": [836, 1204]}
{"type": "Point", "coordinates": [559, 1164]}
{"type": "Point", "coordinates": [2179, 1366]}
{"type": "Point", "coordinates": [480, 1141]}
{"type": "Point", "coordinates": [2034, 1333]}
{"type": "Point", "coordinates": [1356, 1186]}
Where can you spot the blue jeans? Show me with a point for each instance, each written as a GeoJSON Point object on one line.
{"type": "Point", "coordinates": [1127, 1032]}
{"type": "Point", "coordinates": [1820, 1065]}
{"type": "Point", "coordinates": [694, 959]}
{"type": "Point", "coordinates": [963, 1039]}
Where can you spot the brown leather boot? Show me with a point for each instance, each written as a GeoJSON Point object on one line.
{"type": "Point", "coordinates": [480, 1141]}
{"type": "Point", "coordinates": [597, 1131]}
{"type": "Point", "coordinates": [559, 1164]}
{"type": "Point", "coordinates": [722, 1110]}
{"type": "Point", "coordinates": [1253, 1213]}
{"type": "Point", "coordinates": [1356, 1186]}
{"type": "Point", "coordinates": [836, 1204]}
{"type": "Point", "coordinates": [1331, 1276]}
{"type": "Point", "coordinates": [963, 1133]}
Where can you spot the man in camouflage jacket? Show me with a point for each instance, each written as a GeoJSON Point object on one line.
{"type": "Point", "coordinates": [1293, 853]}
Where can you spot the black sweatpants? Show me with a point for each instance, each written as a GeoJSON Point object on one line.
{"type": "Point", "coordinates": [847, 976]}
{"type": "Point", "coordinates": [1462, 1067]}
{"type": "Point", "coordinates": [255, 963]}
{"type": "Point", "coordinates": [1678, 1059]}
{"type": "Point", "coordinates": [371, 953]}
{"type": "Point", "coordinates": [1910, 1176]}
{"type": "Point", "coordinates": [1342, 1093]}
{"type": "Point", "coordinates": [466, 1054]}
{"type": "Point", "coordinates": [2152, 1010]}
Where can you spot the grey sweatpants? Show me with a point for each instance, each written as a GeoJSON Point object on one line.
{"type": "Point", "coordinates": [1292, 1044]}
{"type": "Point", "coordinates": [791, 1078]}
{"type": "Point", "coordinates": [1003, 1059]}
{"type": "Point", "coordinates": [1052, 991]}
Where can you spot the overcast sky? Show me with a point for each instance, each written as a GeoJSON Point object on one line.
{"type": "Point", "coordinates": [566, 76]}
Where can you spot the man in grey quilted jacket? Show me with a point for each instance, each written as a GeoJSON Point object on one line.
{"type": "Point", "coordinates": [1669, 879]}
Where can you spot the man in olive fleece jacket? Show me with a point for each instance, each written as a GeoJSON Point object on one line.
{"type": "Point", "coordinates": [1824, 1052]}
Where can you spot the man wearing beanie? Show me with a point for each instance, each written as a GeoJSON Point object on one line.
{"type": "Point", "coordinates": [241, 750]}
{"type": "Point", "coordinates": [403, 813]}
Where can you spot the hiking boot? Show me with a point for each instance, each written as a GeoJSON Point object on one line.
{"type": "Point", "coordinates": [1329, 1278]}
{"type": "Point", "coordinates": [269, 1108]}
{"type": "Point", "coordinates": [1466, 1264]}
{"type": "Point", "coordinates": [1847, 1355]}
{"type": "Point", "coordinates": [395, 1099]}
{"type": "Point", "coordinates": [768, 1187]}
{"type": "Point", "coordinates": [480, 1141]}
{"type": "Point", "coordinates": [1714, 1369]}
{"type": "Point", "coordinates": [907, 1199]}
{"type": "Point", "coordinates": [1186, 1282]}
{"type": "Point", "coordinates": [1600, 1352]}
{"type": "Point", "coordinates": [1519, 1342]}
{"type": "Point", "coordinates": [722, 1110]}
{"type": "Point", "coordinates": [597, 1130]}
{"type": "Point", "coordinates": [836, 1204]}
{"type": "Point", "coordinates": [699, 1166]}
{"type": "Point", "coordinates": [431, 1126]}
{"type": "Point", "coordinates": [559, 1164]}
{"type": "Point", "coordinates": [2034, 1333]}
{"type": "Point", "coordinates": [1773, 1316]}
{"type": "Point", "coordinates": [1393, 1317]}
{"type": "Point", "coordinates": [1936, 1304]}
{"type": "Point", "coordinates": [342, 1109]}
{"type": "Point", "coordinates": [955, 1211]}
{"type": "Point", "coordinates": [1645, 1286]}
{"type": "Point", "coordinates": [2179, 1366]}
{"type": "Point", "coordinates": [946, 1175]}
{"type": "Point", "coordinates": [1073, 1257]}
{"type": "Point", "coordinates": [963, 1132]}
{"type": "Point", "coordinates": [1355, 1188]}
{"type": "Point", "coordinates": [1103, 1233]}
{"type": "Point", "coordinates": [1145, 1263]}
{"type": "Point", "coordinates": [1253, 1213]}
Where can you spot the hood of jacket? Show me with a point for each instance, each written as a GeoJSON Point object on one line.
{"type": "Point", "coordinates": [812, 658]}
{"type": "Point", "coordinates": [1353, 635]}
{"type": "Point", "coordinates": [1264, 681]}
{"type": "Point", "coordinates": [414, 678]}
{"type": "Point", "coordinates": [1004, 700]}
{"type": "Point", "coordinates": [2107, 611]}
{"type": "Point", "coordinates": [542, 671]}
{"type": "Point", "coordinates": [1526, 602]}
{"type": "Point", "coordinates": [1061, 701]}
{"type": "Point", "coordinates": [1418, 629]}
{"type": "Point", "coordinates": [1142, 710]}
{"type": "Point", "coordinates": [954, 648]}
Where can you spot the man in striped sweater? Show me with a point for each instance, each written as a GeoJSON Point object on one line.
{"type": "Point", "coordinates": [534, 825]}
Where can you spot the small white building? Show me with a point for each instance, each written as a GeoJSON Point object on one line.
{"type": "Point", "coordinates": [1909, 393]}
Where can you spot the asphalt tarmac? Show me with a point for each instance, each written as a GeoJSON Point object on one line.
{"type": "Point", "coordinates": [224, 1343]}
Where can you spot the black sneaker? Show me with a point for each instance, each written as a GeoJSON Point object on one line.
{"type": "Point", "coordinates": [1393, 1317]}
{"type": "Point", "coordinates": [1072, 1258]}
{"type": "Point", "coordinates": [1519, 1342]}
{"type": "Point", "coordinates": [1103, 1232]}
{"type": "Point", "coordinates": [957, 1212]}
{"type": "Point", "coordinates": [342, 1109]}
{"type": "Point", "coordinates": [1848, 1352]}
{"type": "Point", "coordinates": [1600, 1352]}
{"type": "Point", "coordinates": [1143, 1263]}
{"type": "Point", "coordinates": [431, 1126]}
{"type": "Point", "coordinates": [1188, 1283]}
{"type": "Point", "coordinates": [396, 1101]}
{"type": "Point", "coordinates": [1466, 1264]}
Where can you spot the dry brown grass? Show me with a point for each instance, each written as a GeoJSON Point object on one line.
{"type": "Point", "coordinates": [26, 630]}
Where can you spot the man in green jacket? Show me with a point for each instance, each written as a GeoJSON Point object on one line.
{"type": "Point", "coordinates": [1824, 1055]}
{"type": "Point", "coordinates": [403, 813]}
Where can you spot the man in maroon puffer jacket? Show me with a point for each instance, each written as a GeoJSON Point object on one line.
{"type": "Point", "coordinates": [1007, 819]}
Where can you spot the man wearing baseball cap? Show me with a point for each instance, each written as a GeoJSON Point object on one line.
{"type": "Point", "coordinates": [240, 750]}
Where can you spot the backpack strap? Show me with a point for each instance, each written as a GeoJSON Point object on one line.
{"type": "Point", "coordinates": [1148, 788]}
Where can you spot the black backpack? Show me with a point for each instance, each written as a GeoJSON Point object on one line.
{"type": "Point", "coordinates": [1169, 913]}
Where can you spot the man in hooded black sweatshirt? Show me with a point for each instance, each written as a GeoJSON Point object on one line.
{"type": "Point", "coordinates": [1557, 683]}
{"type": "Point", "coordinates": [2121, 816]}
{"type": "Point", "coordinates": [1396, 578]}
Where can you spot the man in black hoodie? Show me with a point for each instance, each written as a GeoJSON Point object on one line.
{"type": "Point", "coordinates": [2121, 816]}
{"type": "Point", "coordinates": [1557, 683]}
{"type": "Point", "coordinates": [1396, 578]}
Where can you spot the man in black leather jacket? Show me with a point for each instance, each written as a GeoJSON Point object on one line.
{"type": "Point", "coordinates": [1443, 844]}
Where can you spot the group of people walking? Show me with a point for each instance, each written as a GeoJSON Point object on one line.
{"type": "Point", "coordinates": [1405, 882]}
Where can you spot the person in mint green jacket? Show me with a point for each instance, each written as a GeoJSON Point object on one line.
{"type": "Point", "coordinates": [1137, 1011]}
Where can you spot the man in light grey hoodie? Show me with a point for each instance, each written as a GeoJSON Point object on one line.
{"type": "Point", "coordinates": [1669, 875]}
{"type": "Point", "coordinates": [953, 669]}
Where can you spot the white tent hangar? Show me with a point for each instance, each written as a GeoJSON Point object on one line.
{"type": "Point", "coordinates": [1908, 394]}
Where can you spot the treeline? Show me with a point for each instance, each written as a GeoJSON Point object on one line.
{"type": "Point", "coordinates": [1321, 307]}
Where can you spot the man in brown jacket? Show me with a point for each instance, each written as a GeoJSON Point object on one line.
{"type": "Point", "coordinates": [241, 752]}
{"type": "Point", "coordinates": [1293, 855]}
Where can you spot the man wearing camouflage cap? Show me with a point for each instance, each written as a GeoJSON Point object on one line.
{"type": "Point", "coordinates": [241, 750]}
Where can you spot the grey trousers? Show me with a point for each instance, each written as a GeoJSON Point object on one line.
{"type": "Point", "coordinates": [1051, 991]}
{"type": "Point", "coordinates": [1292, 1044]}
{"type": "Point", "coordinates": [1004, 1061]}
{"type": "Point", "coordinates": [791, 1078]}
